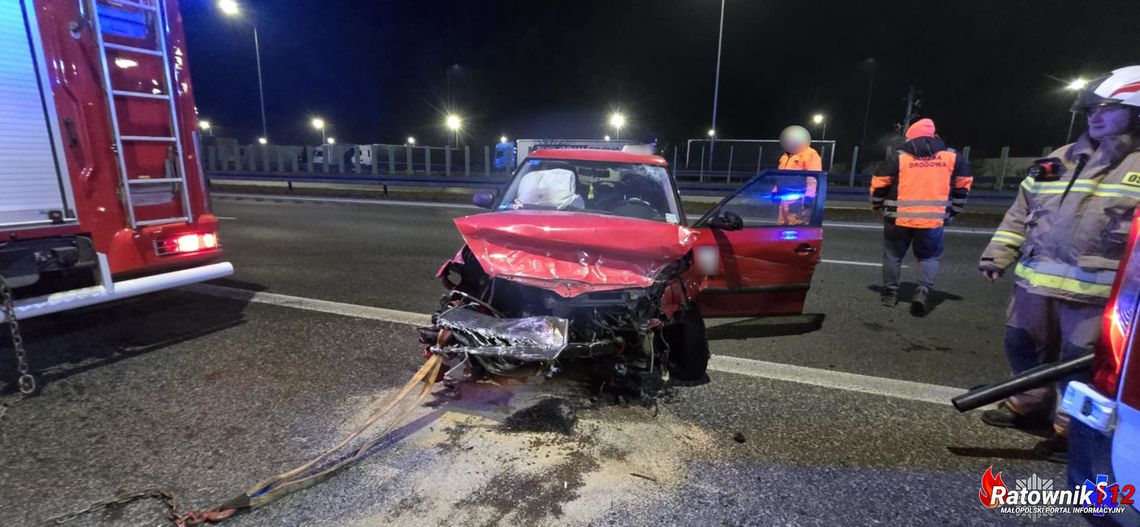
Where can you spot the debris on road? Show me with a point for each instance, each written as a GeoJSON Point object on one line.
{"type": "Point", "coordinates": [548, 415]}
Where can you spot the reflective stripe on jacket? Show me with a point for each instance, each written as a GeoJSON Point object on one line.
{"type": "Point", "coordinates": [1066, 234]}
{"type": "Point", "coordinates": [922, 186]}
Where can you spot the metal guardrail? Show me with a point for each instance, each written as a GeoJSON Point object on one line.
{"type": "Point", "coordinates": [685, 187]}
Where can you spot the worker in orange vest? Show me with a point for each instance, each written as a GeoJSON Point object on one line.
{"type": "Point", "coordinates": [917, 191]}
{"type": "Point", "coordinates": [798, 155]}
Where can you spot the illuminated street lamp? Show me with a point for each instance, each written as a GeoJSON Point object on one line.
{"type": "Point", "coordinates": [502, 139]}
{"type": "Point", "coordinates": [712, 133]}
{"type": "Point", "coordinates": [454, 123]}
{"type": "Point", "coordinates": [262, 140]}
{"type": "Point", "coordinates": [607, 138]}
{"type": "Point", "coordinates": [231, 9]}
{"type": "Point", "coordinates": [319, 124]}
{"type": "Point", "coordinates": [617, 120]}
{"type": "Point", "coordinates": [1077, 84]}
{"type": "Point", "coordinates": [205, 127]}
{"type": "Point", "coordinates": [332, 140]}
{"type": "Point", "coordinates": [411, 140]}
{"type": "Point", "coordinates": [818, 120]}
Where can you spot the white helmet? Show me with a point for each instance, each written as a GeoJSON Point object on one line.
{"type": "Point", "coordinates": [795, 138]}
{"type": "Point", "coordinates": [1121, 87]}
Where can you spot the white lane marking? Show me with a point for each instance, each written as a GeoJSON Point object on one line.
{"type": "Point", "coordinates": [846, 262]}
{"type": "Point", "coordinates": [852, 382]}
{"type": "Point", "coordinates": [356, 201]}
{"type": "Point", "coordinates": [225, 218]}
{"type": "Point", "coordinates": [879, 227]}
{"type": "Point", "coordinates": [312, 304]}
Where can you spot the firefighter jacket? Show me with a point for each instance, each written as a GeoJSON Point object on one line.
{"type": "Point", "coordinates": [921, 186]}
{"type": "Point", "coordinates": [1068, 228]}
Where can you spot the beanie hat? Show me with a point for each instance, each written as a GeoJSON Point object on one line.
{"type": "Point", "coordinates": [921, 128]}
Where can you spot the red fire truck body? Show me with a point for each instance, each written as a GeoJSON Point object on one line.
{"type": "Point", "coordinates": [102, 194]}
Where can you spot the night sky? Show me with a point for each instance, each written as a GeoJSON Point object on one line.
{"type": "Point", "coordinates": [991, 72]}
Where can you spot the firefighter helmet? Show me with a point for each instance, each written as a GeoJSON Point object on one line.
{"type": "Point", "coordinates": [1121, 87]}
{"type": "Point", "coordinates": [794, 139]}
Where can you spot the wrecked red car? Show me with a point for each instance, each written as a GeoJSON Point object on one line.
{"type": "Point", "coordinates": [589, 254]}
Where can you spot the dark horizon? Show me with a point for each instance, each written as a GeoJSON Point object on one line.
{"type": "Point", "coordinates": [989, 75]}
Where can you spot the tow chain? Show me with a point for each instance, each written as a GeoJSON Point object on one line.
{"type": "Point", "coordinates": [27, 383]}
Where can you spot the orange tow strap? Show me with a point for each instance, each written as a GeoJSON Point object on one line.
{"type": "Point", "coordinates": [277, 486]}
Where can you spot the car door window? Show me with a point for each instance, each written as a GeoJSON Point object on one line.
{"type": "Point", "coordinates": [777, 200]}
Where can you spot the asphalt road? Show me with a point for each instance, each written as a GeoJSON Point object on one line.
{"type": "Point", "coordinates": [833, 418]}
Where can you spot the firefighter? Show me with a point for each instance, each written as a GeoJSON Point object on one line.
{"type": "Point", "coordinates": [916, 191]}
{"type": "Point", "coordinates": [798, 155]}
{"type": "Point", "coordinates": [1064, 237]}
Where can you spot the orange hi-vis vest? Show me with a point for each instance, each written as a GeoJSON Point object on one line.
{"type": "Point", "coordinates": [923, 190]}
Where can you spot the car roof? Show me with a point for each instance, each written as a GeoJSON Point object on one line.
{"type": "Point", "coordinates": [595, 154]}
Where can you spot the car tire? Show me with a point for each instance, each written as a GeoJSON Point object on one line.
{"type": "Point", "coordinates": [688, 347]}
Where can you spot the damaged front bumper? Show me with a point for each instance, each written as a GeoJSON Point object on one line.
{"type": "Point", "coordinates": [529, 339]}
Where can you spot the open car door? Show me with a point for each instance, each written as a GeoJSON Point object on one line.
{"type": "Point", "coordinates": [758, 248]}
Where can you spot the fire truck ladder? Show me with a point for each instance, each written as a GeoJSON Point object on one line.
{"type": "Point", "coordinates": [156, 20]}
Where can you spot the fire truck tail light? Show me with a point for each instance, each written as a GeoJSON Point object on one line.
{"type": "Point", "coordinates": [189, 243]}
{"type": "Point", "coordinates": [186, 243]}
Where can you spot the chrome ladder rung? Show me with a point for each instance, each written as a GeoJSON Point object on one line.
{"type": "Point", "coordinates": [144, 223]}
{"type": "Point", "coordinates": [147, 138]}
{"type": "Point", "coordinates": [151, 181]}
{"type": "Point", "coordinates": [136, 5]}
{"type": "Point", "coordinates": [144, 95]}
{"type": "Point", "coordinates": [132, 49]}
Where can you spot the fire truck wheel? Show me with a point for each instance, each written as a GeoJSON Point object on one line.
{"type": "Point", "coordinates": [688, 348]}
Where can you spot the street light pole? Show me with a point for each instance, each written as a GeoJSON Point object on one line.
{"type": "Point", "coordinates": [260, 88]}
{"type": "Point", "coordinates": [867, 111]}
{"type": "Point", "coordinates": [232, 9]}
{"type": "Point", "coordinates": [716, 82]}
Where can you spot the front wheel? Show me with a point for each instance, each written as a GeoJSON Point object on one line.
{"type": "Point", "coordinates": [688, 347]}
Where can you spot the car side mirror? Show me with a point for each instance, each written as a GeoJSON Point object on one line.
{"type": "Point", "coordinates": [727, 221]}
{"type": "Point", "coordinates": [483, 199]}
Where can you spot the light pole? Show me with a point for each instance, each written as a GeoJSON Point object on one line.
{"type": "Point", "coordinates": [231, 8]}
{"type": "Point", "coordinates": [319, 124]}
{"type": "Point", "coordinates": [716, 82]}
{"type": "Point", "coordinates": [867, 111]}
{"type": "Point", "coordinates": [1078, 84]}
{"type": "Point", "coordinates": [819, 121]}
{"type": "Point", "coordinates": [454, 123]}
{"type": "Point", "coordinates": [617, 120]}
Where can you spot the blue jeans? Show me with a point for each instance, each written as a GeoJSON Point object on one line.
{"type": "Point", "coordinates": [927, 244]}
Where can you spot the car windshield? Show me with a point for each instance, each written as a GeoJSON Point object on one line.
{"type": "Point", "coordinates": [622, 189]}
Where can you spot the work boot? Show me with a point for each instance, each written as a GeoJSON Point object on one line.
{"type": "Point", "coordinates": [889, 297]}
{"type": "Point", "coordinates": [918, 302]}
{"type": "Point", "coordinates": [1055, 449]}
{"type": "Point", "coordinates": [1005, 417]}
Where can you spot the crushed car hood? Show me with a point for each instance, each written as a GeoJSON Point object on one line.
{"type": "Point", "coordinates": [572, 253]}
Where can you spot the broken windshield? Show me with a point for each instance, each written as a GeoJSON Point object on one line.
{"type": "Point", "coordinates": [621, 189]}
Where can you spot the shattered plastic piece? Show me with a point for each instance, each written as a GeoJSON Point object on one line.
{"type": "Point", "coordinates": [532, 339]}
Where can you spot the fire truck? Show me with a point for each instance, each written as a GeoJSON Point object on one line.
{"type": "Point", "coordinates": [102, 194]}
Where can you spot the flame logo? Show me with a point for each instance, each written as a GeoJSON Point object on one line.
{"type": "Point", "coordinates": [989, 482]}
